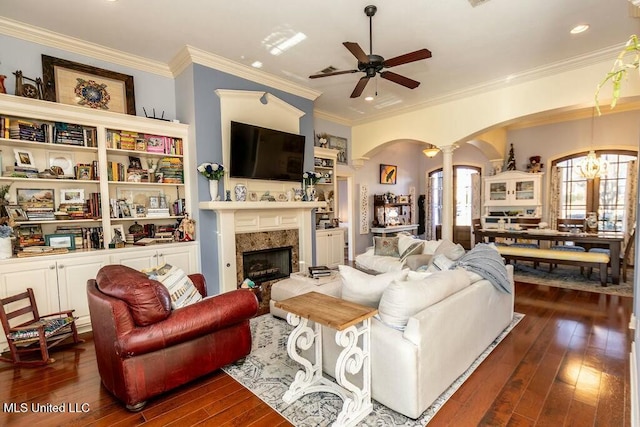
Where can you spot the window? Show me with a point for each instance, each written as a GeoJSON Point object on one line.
{"type": "Point", "coordinates": [462, 195]}
{"type": "Point", "coordinates": [604, 195]}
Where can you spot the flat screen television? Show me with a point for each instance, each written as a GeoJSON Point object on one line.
{"type": "Point", "coordinates": [261, 153]}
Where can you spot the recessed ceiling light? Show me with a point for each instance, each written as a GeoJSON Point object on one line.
{"type": "Point", "coordinates": [369, 98]}
{"type": "Point", "coordinates": [257, 64]}
{"type": "Point", "coordinates": [579, 29]}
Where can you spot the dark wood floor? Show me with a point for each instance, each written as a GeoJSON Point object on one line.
{"type": "Point", "coordinates": [566, 364]}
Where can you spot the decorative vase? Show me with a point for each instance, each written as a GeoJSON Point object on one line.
{"type": "Point", "coordinates": [6, 249]}
{"type": "Point", "coordinates": [241, 193]}
{"type": "Point", "coordinates": [311, 193]}
{"type": "Point", "coordinates": [213, 189]}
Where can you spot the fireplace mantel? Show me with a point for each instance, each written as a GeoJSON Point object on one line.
{"type": "Point", "coordinates": [233, 206]}
{"type": "Point", "coordinates": [247, 217]}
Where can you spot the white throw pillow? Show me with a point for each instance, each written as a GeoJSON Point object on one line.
{"type": "Point", "coordinates": [440, 263]}
{"type": "Point", "coordinates": [418, 275]}
{"type": "Point", "coordinates": [430, 246]}
{"type": "Point", "coordinates": [401, 300]}
{"type": "Point", "coordinates": [366, 289]}
{"type": "Point", "coordinates": [182, 290]}
{"type": "Point", "coordinates": [404, 241]}
{"type": "Point", "coordinates": [450, 250]}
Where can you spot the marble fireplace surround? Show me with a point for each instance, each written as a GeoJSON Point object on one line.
{"type": "Point", "coordinates": [235, 218]}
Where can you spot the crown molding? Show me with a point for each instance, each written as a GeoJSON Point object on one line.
{"type": "Point", "coordinates": [324, 115]}
{"type": "Point", "coordinates": [191, 54]}
{"type": "Point", "coordinates": [59, 41]}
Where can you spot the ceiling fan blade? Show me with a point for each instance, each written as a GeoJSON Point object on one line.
{"type": "Point", "coordinates": [401, 80]}
{"type": "Point", "coordinates": [360, 87]}
{"type": "Point", "coordinates": [408, 57]}
{"type": "Point", "coordinates": [335, 73]}
{"type": "Point", "coordinates": [357, 51]}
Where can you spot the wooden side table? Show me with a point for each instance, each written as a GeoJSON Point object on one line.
{"type": "Point", "coordinates": [350, 321]}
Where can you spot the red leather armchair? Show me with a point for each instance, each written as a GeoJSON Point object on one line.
{"type": "Point", "coordinates": [143, 348]}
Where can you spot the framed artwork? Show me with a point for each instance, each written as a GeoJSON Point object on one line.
{"type": "Point", "coordinates": [63, 160]}
{"type": "Point", "coordinates": [83, 172]}
{"type": "Point", "coordinates": [388, 174]}
{"type": "Point", "coordinates": [67, 241]}
{"type": "Point", "coordinates": [340, 144]}
{"type": "Point", "coordinates": [118, 229]}
{"type": "Point", "coordinates": [69, 195]}
{"type": "Point", "coordinates": [72, 83]}
{"type": "Point", "coordinates": [15, 212]}
{"type": "Point", "coordinates": [403, 199]}
{"type": "Point", "coordinates": [35, 198]}
{"type": "Point", "coordinates": [24, 158]}
{"type": "Point", "coordinates": [140, 210]}
{"type": "Point", "coordinates": [125, 209]}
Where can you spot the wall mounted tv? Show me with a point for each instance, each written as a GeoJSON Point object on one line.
{"type": "Point", "coordinates": [261, 153]}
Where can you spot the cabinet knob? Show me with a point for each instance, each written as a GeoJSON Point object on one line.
{"type": "Point", "coordinates": [52, 267]}
{"type": "Point", "coordinates": [61, 266]}
{"type": "Point", "coordinates": [160, 254]}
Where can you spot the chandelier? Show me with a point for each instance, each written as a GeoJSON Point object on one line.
{"type": "Point", "coordinates": [431, 151]}
{"type": "Point", "coordinates": [592, 167]}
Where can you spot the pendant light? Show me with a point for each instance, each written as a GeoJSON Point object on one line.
{"type": "Point", "coordinates": [431, 151]}
{"type": "Point", "coordinates": [591, 166]}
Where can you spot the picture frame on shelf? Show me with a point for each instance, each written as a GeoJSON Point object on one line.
{"type": "Point", "coordinates": [24, 158]}
{"type": "Point", "coordinates": [388, 174]}
{"type": "Point", "coordinates": [83, 172]}
{"type": "Point", "coordinates": [67, 81]}
{"type": "Point", "coordinates": [67, 241]}
{"type": "Point", "coordinates": [158, 177]}
{"type": "Point", "coordinates": [15, 212]}
{"type": "Point", "coordinates": [63, 160]}
{"type": "Point", "coordinates": [162, 202]}
{"type": "Point", "coordinates": [36, 198]}
{"type": "Point", "coordinates": [154, 202]}
{"type": "Point", "coordinates": [117, 228]}
{"type": "Point", "coordinates": [125, 209]}
{"type": "Point", "coordinates": [403, 199]}
{"type": "Point", "coordinates": [339, 143]}
{"type": "Point", "coordinates": [71, 195]}
{"type": "Point", "coordinates": [140, 211]}
{"type": "Point", "coordinates": [135, 162]}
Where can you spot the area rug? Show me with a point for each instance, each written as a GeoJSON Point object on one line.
{"type": "Point", "coordinates": [569, 277]}
{"type": "Point", "coordinates": [268, 371]}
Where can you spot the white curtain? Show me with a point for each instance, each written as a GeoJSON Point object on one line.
{"type": "Point", "coordinates": [554, 197]}
{"type": "Point", "coordinates": [632, 197]}
{"type": "Point", "coordinates": [428, 208]}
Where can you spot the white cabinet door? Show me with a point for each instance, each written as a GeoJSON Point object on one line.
{"type": "Point", "coordinates": [330, 248]}
{"type": "Point", "coordinates": [336, 248]}
{"type": "Point", "coordinates": [38, 275]}
{"type": "Point", "coordinates": [138, 259]}
{"type": "Point", "coordinates": [73, 274]}
{"type": "Point", "coordinates": [183, 257]}
{"type": "Point", "coordinates": [322, 249]}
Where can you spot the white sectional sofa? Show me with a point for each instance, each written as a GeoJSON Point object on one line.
{"type": "Point", "coordinates": [376, 258]}
{"type": "Point", "coordinates": [451, 317]}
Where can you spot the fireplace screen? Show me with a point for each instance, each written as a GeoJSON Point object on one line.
{"type": "Point", "coordinates": [268, 264]}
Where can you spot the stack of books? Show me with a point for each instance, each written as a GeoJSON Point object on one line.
{"type": "Point", "coordinates": [319, 271]}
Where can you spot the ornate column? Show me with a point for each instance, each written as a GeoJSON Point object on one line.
{"type": "Point", "coordinates": [447, 191]}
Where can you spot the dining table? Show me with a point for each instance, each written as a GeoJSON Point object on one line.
{"type": "Point", "coordinates": [607, 239]}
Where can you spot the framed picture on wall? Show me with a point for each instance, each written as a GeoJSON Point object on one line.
{"type": "Point", "coordinates": [388, 174]}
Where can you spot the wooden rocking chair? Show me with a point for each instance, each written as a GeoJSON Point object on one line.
{"type": "Point", "coordinates": [38, 334]}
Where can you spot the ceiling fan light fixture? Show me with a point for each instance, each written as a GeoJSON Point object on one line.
{"type": "Point", "coordinates": [368, 98]}
{"type": "Point", "coordinates": [431, 151]}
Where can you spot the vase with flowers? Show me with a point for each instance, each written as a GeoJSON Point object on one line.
{"type": "Point", "coordinates": [6, 247]}
{"type": "Point", "coordinates": [309, 179]}
{"type": "Point", "coordinates": [213, 172]}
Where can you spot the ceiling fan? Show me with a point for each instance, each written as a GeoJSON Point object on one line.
{"type": "Point", "coordinates": [374, 64]}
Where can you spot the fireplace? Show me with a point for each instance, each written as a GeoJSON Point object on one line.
{"type": "Point", "coordinates": [267, 264]}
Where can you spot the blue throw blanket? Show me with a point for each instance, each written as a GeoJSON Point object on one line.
{"type": "Point", "coordinates": [487, 263]}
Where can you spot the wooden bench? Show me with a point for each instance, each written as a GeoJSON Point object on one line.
{"type": "Point", "coordinates": [582, 259]}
